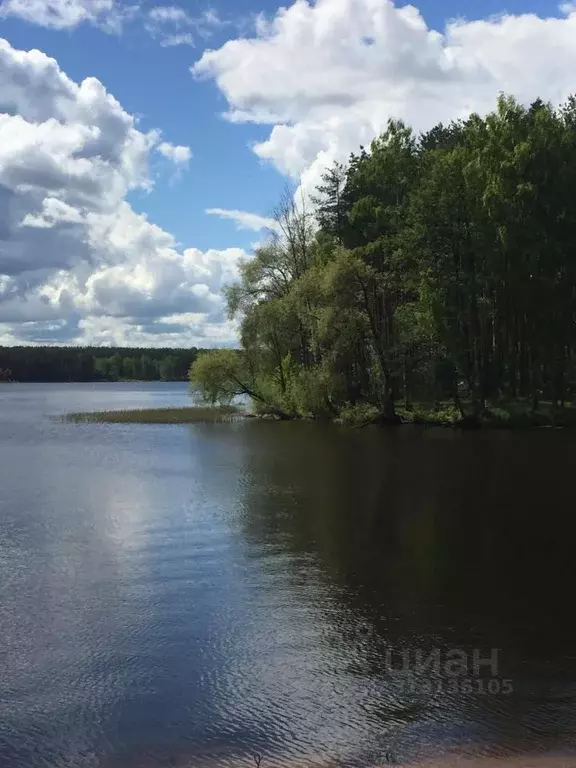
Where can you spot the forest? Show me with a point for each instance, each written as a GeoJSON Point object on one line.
{"type": "Point", "coordinates": [94, 364]}
{"type": "Point", "coordinates": [434, 270]}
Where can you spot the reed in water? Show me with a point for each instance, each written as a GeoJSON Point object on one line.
{"type": "Point", "coordinates": [188, 415]}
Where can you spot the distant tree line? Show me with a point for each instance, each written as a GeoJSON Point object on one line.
{"type": "Point", "coordinates": [438, 267]}
{"type": "Point", "coordinates": [94, 364]}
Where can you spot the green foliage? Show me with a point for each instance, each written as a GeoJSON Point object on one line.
{"type": "Point", "coordinates": [359, 415]}
{"type": "Point", "coordinates": [443, 414]}
{"type": "Point", "coordinates": [215, 376]}
{"type": "Point", "coordinates": [168, 368]}
{"type": "Point", "coordinates": [96, 363]}
{"type": "Point", "coordinates": [331, 202]}
{"type": "Point", "coordinates": [440, 269]}
{"type": "Point", "coordinates": [310, 391]}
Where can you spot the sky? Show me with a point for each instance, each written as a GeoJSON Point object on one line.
{"type": "Point", "coordinates": [144, 145]}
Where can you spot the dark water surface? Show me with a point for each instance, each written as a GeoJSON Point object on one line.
{"type": "Point", "coordinates": [174, 595]}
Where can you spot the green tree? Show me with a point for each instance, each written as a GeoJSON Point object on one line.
{"type": "Point", "coordinates": [220, 375]}
{"type": "Point", "coordinates": [331, 203]}
{"type": "Point", "coordinates": [167, 368]}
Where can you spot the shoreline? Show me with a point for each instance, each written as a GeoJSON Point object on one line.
{"type": "Point", "coordinates": [544, 760]}
{"type": "Point", "coordinates": [430, 420]}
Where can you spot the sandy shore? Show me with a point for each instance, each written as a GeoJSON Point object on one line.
{"type": "Point", "coordinates": [550, 760]}
{"type": "Point", "coordinates": [528, 761]}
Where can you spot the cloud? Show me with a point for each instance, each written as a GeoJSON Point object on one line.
{"type": "Point", "coordinates": [168, 13]}
{"type": "Point", "coordinates": [77, 263]}
{"type": "Point", "coordinates": [183, 38]}
{"type": "Point", "coordinates": [328, 75]}
{"type": "Point", "coordinates": [179, 155]}
{"type": "Point", "coordinates": [173, 25]}
{"type": "Point", "coordinates": [66, 14]}
{"type": "Point", "coordinates": [170, 24]}
{"type": "Point", "coordinates": [182, 331]}
{"type": "Point", "coordinates": [245, 220]}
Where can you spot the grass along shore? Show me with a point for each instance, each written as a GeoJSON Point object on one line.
{"type": "Point", "coordinates": [502, 416]}
{"type": "Point", "coordinates": [186, 415]}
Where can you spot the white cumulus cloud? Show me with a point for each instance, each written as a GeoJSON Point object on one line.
{"type": "Point", "coordinates": [179, 155]}
{"type": "Point", "coordinates": [328, 75]}
{"type": "Point", "coordinates": [77, 263]}
{"type": "Point", "coordinates": [244, 219]}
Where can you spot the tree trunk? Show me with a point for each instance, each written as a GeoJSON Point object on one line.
{"type": "Point", "coordinates": [390, 415]}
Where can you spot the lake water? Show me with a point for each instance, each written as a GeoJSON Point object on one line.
{"type": "Point", "coordinates": [195, 595]}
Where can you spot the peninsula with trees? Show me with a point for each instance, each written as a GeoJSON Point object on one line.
{"type": "Point", "coordinates": [433, 276]}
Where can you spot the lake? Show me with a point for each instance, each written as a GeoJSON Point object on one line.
{"type": "Point", "coordinates": [196, 595]}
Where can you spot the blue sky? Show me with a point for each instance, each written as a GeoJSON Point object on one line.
{"type": "Point", "coordinates": [156, 83]}
{"type": "Point", "coordinates": [300, 115]}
